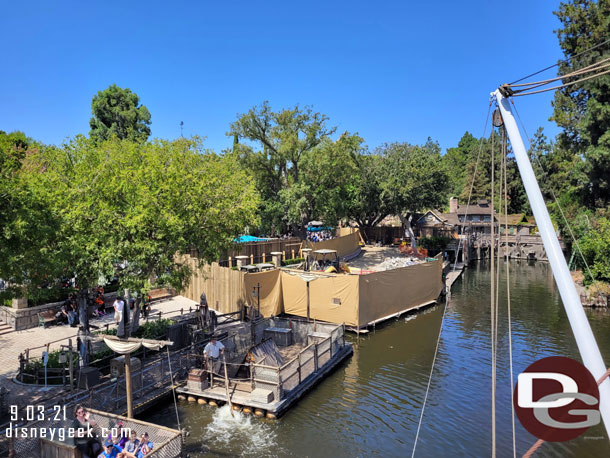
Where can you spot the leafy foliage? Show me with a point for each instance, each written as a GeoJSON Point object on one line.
{"type": "Point", "coordinates": [141, 205]}
{"type": "Point", "coordinates": [434, 243]}
{"type": "Point", "coordinates": [117, 112]}
{"type": "Point", "coordinates": [414, 178]}
{"type": "Point", "coordinates": [286, 138]}
{"type": "Point", "coordinates": [29, 231]}
{"type": "Point", "coordinates": [148, 330]}
{"type": "Point", "coordinates": [576, 168]}
{"type": "Point", "coordinates": [595, 246]}
{"type": "Point", "coordinates": [366, 205]}
{"type": "Point", "coordinates": [289, 262]}
{"type": "Point", "coordinates": [461, 165]}
{"type": "Point", "coordinates": [583, 109]}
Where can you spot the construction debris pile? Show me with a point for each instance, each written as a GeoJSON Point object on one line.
{"type": "Point", "coordinates": [396, 263]}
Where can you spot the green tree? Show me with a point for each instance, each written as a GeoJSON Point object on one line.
{"type": "Point", "coordinates": [366, 205]}
{"type": "Point", "coordinates": [142, 205]}
{"type": "Point", "coordinates": [326, 184]}
{"type": "Point", "coordinates": [595, 246]}
{"type": "Point", "coordinates": [29, 232]}
{"type": "Point", "coordinates": [583, 110]}
{"type": "Point", "coordinates": [284, 138]}
{"type": "Point", "coordinates": [414, 178]}
{"type": "Point", "coordinates": [117, 112]}
{"type": "Point", "coordinates": [456, 161]}
{"type": "Point", "coordinates": [468, 151]}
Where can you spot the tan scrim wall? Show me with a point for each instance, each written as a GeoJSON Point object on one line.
{"type": "Point", "coordinates": [355, 300]}
{"type": "Point", "coordinates": [222, 286]}
{"type": "Point", "coordinates": [335, 299]}
{"type": "Point", "coordinates": [271, 300]}
{"type": "Point", "coordinates": [341, 231]}
{"type": "Point", "coordinates": [345, 245]}
{"type": "Point", "coordinates": [331, 298]}
{"type": "Point", "coordinates": [383, 294]}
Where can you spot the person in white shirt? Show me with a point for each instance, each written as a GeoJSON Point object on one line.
{"type": "Point", "coordinates": [119, 306]}
{"type": "Point", "coordinates": [211, 353]}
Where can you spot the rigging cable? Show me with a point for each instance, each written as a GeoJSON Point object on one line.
{"type": "Point", "coordinates": [506, 254]}
{"type": "Point", "coordinates": [561, 86]}
{"type": "Point", "coordinates": [421, 415]}
{"type": "Point", "coordinates": [169, 361]}
{"type": "Point", "coordinates": [563, 216]}
{"type": "Point", "coordinates": [589, 68]}
{"type": "Point", "coordinates": [492, 297]}
{"type": "Point", "coordinates": [476, 165]}
{"type": "Point", "coordinates": [562, 60]}
{"type": "Point", "coordinates": [539, 442]}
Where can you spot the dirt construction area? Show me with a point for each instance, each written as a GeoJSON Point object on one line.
{"type": "Point", "coordinates": [377, 259]}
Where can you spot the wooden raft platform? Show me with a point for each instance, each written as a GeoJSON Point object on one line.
{"type": "Point", "coordinates": [240, 395]}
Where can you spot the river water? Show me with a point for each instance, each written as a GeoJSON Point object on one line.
{"type": "Point", "coordinates": [370, 405]}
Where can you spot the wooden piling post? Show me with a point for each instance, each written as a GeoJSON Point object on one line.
{"type": "Point", "coordinates": [128, 385]}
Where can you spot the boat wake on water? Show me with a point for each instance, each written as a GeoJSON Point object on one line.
{"type": "Point", "coordinates": [239, 433]}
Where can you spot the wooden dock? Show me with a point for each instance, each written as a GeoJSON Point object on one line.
{"type": "Point", "coordinates": [452, 275]}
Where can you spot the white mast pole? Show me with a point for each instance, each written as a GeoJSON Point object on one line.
{"type": "Point", "coordinates": [587, 346]}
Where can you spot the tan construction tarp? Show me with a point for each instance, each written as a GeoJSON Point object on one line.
{"type": "Point", "coordinates": [355, 300]}
{"type": "Point", "coordinates": [331, 298]}
{"type": "Point", "coordinates": [383, 294]}
{"type": "Point", "coordinates": [294, 293]}
{"type": "Point", "coordinates": [271, 301]}
{"type": "Point", "coordinates": [345, 245]}
{"type": "Point", "coordinates": [335, 299]}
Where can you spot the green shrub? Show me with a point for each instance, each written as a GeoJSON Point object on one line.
{"type": "Point", "coordinates": [289, 262]}
{"type": "Point", "coordinates": [42, 296]}
{"type": "Point", "coordinates": [6, 299]}
{"type": "Point", "coordinates": [36, 365]}
{"type": "Point", "coordinates": [147, 330]}
{"type": "Point", "coordinates": [434, 243]}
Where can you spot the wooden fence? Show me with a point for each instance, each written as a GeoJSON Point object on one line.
{"type": "Point", "coordinates": [224, 287]}
{"type": "Point", "coordinates": [261, 251]}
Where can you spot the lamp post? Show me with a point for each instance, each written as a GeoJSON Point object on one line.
{"type": "Point", "coordinates": [308, 278]}
{"type": "Point", "coordinates": [256, 292]}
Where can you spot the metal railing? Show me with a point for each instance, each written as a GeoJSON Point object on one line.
{"type": "Point", "coordinates": [309, 360]}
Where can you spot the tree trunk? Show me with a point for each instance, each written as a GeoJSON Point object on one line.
{"type": "Point", "coordinates": [83, 309]}
{"type": "Point", "coordinates": [406, 224]}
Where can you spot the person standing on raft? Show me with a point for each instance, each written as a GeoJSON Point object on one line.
{"type": "Point", "coordinates": [211, 353]}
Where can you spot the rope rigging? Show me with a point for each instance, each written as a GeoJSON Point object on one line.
{"type": "Point", "coordinates": [421, 416]}
{"type": "Point", "coordinates": [510, 340]}
{"type": "Point", "coordinates": [586, 51]}
{"type": "Point", "coordinates": [493, 302]}
{"type": "Point", "coordinates": [552, 191]}
{"type": "Point", "coordinates": [601, 379]}
{"type": "Point", "coordinates": [476, 166]}
{"type": "Point", "coordinates": [586, 73]}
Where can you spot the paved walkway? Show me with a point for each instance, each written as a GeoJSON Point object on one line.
{"type": "Point", "coordinates": [14, 343]}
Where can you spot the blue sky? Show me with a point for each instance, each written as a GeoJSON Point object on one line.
{"type": "Point", "coordinates": [397, 71]}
